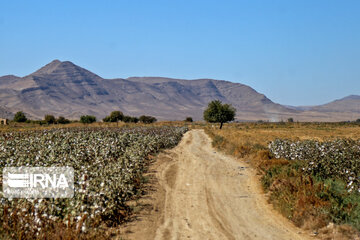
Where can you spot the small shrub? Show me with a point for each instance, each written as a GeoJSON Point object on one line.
{"type": "Point", "coordinates": [217, 141]}
{"type": "Point", "coordinates": [189, 119]}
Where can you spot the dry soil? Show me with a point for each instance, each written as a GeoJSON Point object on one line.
{"type": "Point", "coordinates": [203, 194]}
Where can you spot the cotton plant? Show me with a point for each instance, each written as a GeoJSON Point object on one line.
{"type": "Point", "coordinates": [106, 161]}
{"type": "Point", "coordinates": [339, 158]}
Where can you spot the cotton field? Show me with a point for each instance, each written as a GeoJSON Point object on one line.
{"type": "Point", "coordinates": [108, 164]}
{"type": "Point", "coordinates": [329, 159]}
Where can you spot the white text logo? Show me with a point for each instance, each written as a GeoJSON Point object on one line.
{"type": "Point", "coordinates": [38, 182]}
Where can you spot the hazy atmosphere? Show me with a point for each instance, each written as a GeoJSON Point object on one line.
{"type": "Point", "coordinates": [295, 52]}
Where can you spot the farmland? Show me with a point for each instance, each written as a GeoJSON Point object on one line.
{"type": "Point", "coordinates": [109, 164]}
{"type": "Point", "coordinates": [309, 170]}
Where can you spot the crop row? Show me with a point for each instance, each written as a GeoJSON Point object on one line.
{"type": "Point", "coordinates": [108, 164]}
{"type": "Point", "coordinates": [330, 159]}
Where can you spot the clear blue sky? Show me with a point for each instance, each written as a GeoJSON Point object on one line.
{"type": "Point", "coordinates": [295, 52]}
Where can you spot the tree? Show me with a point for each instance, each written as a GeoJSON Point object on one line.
{"type": "Point", "coordinates": [135, 119]}
{"type": "Point", "coordinates": [217, 112]}
{"type": "Point", "coordinates": [62, 120]}
{"type": "Point", "coordinates": [290, 120]}
{"type": "Point", "coordinates": [114, 116]}
{"type": "Point", "coordinates": [20, 117]}
{"type": "Point", "coordinates": [129, 119]}
{"type": "Point", "coordinates": [189, 119]}
{"type": "Point", "coordinates": [49, 119]}
{"type": "Point", "coordinates": [87, 119]}
{"type": "Point", "coordinates": [106, 119]}
{"type": "Point", "coordinates": [147, 119]}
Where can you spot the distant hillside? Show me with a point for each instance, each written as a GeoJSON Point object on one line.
{"type": "Point", "coordinates": [5, 113]}
{"type": "Point", "coordinates": [347, 104]}
{"type": "Point", "coordinates": [63, 88]}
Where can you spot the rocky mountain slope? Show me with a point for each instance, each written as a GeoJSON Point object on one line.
{"type": "Point", "coordinates": [347, 104]}
{"type": "Point", "coordinates": [63, 88]}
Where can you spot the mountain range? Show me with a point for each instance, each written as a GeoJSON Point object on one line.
{"type": "Point", "coordinates": [63, 88]}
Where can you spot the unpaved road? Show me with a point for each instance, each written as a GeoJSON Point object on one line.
{"type": "Point", "coordinates": [208, 195]}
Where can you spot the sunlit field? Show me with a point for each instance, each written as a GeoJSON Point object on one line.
{"type": "Point", "coordinates": [310, 170]}
{"type": "Point", "coordinates": [109, 163]}
{"type": "Point", "coordinates": [263, 133]}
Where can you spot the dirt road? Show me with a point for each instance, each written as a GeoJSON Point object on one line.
{"type": "Point", "coordinates": [208, 195]}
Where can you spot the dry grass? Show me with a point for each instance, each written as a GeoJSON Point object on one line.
{"type": "Point", "coordinates": [263, 133]}
{"type": "Point", "coordinates": [252, 139]}
{"type": "Point", "coordinates": [296, 196]}
{"type": "Point", "coordinates": [245, 139]}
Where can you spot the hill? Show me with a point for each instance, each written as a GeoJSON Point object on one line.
{"type": "Point", "coordinates": [347, 104]}
{"type": "Point", "coordinates": [63, 88]}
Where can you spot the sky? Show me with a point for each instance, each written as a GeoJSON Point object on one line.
{"type": "Point", "coordinates": [303, 52]}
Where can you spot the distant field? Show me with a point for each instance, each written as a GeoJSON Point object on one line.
{"type": "Point", "coordinates": [242, 139]}
{"type": "Point", "coordinates": [34, 126]}
{"type": "Point", "coordinates": [262, 133]}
